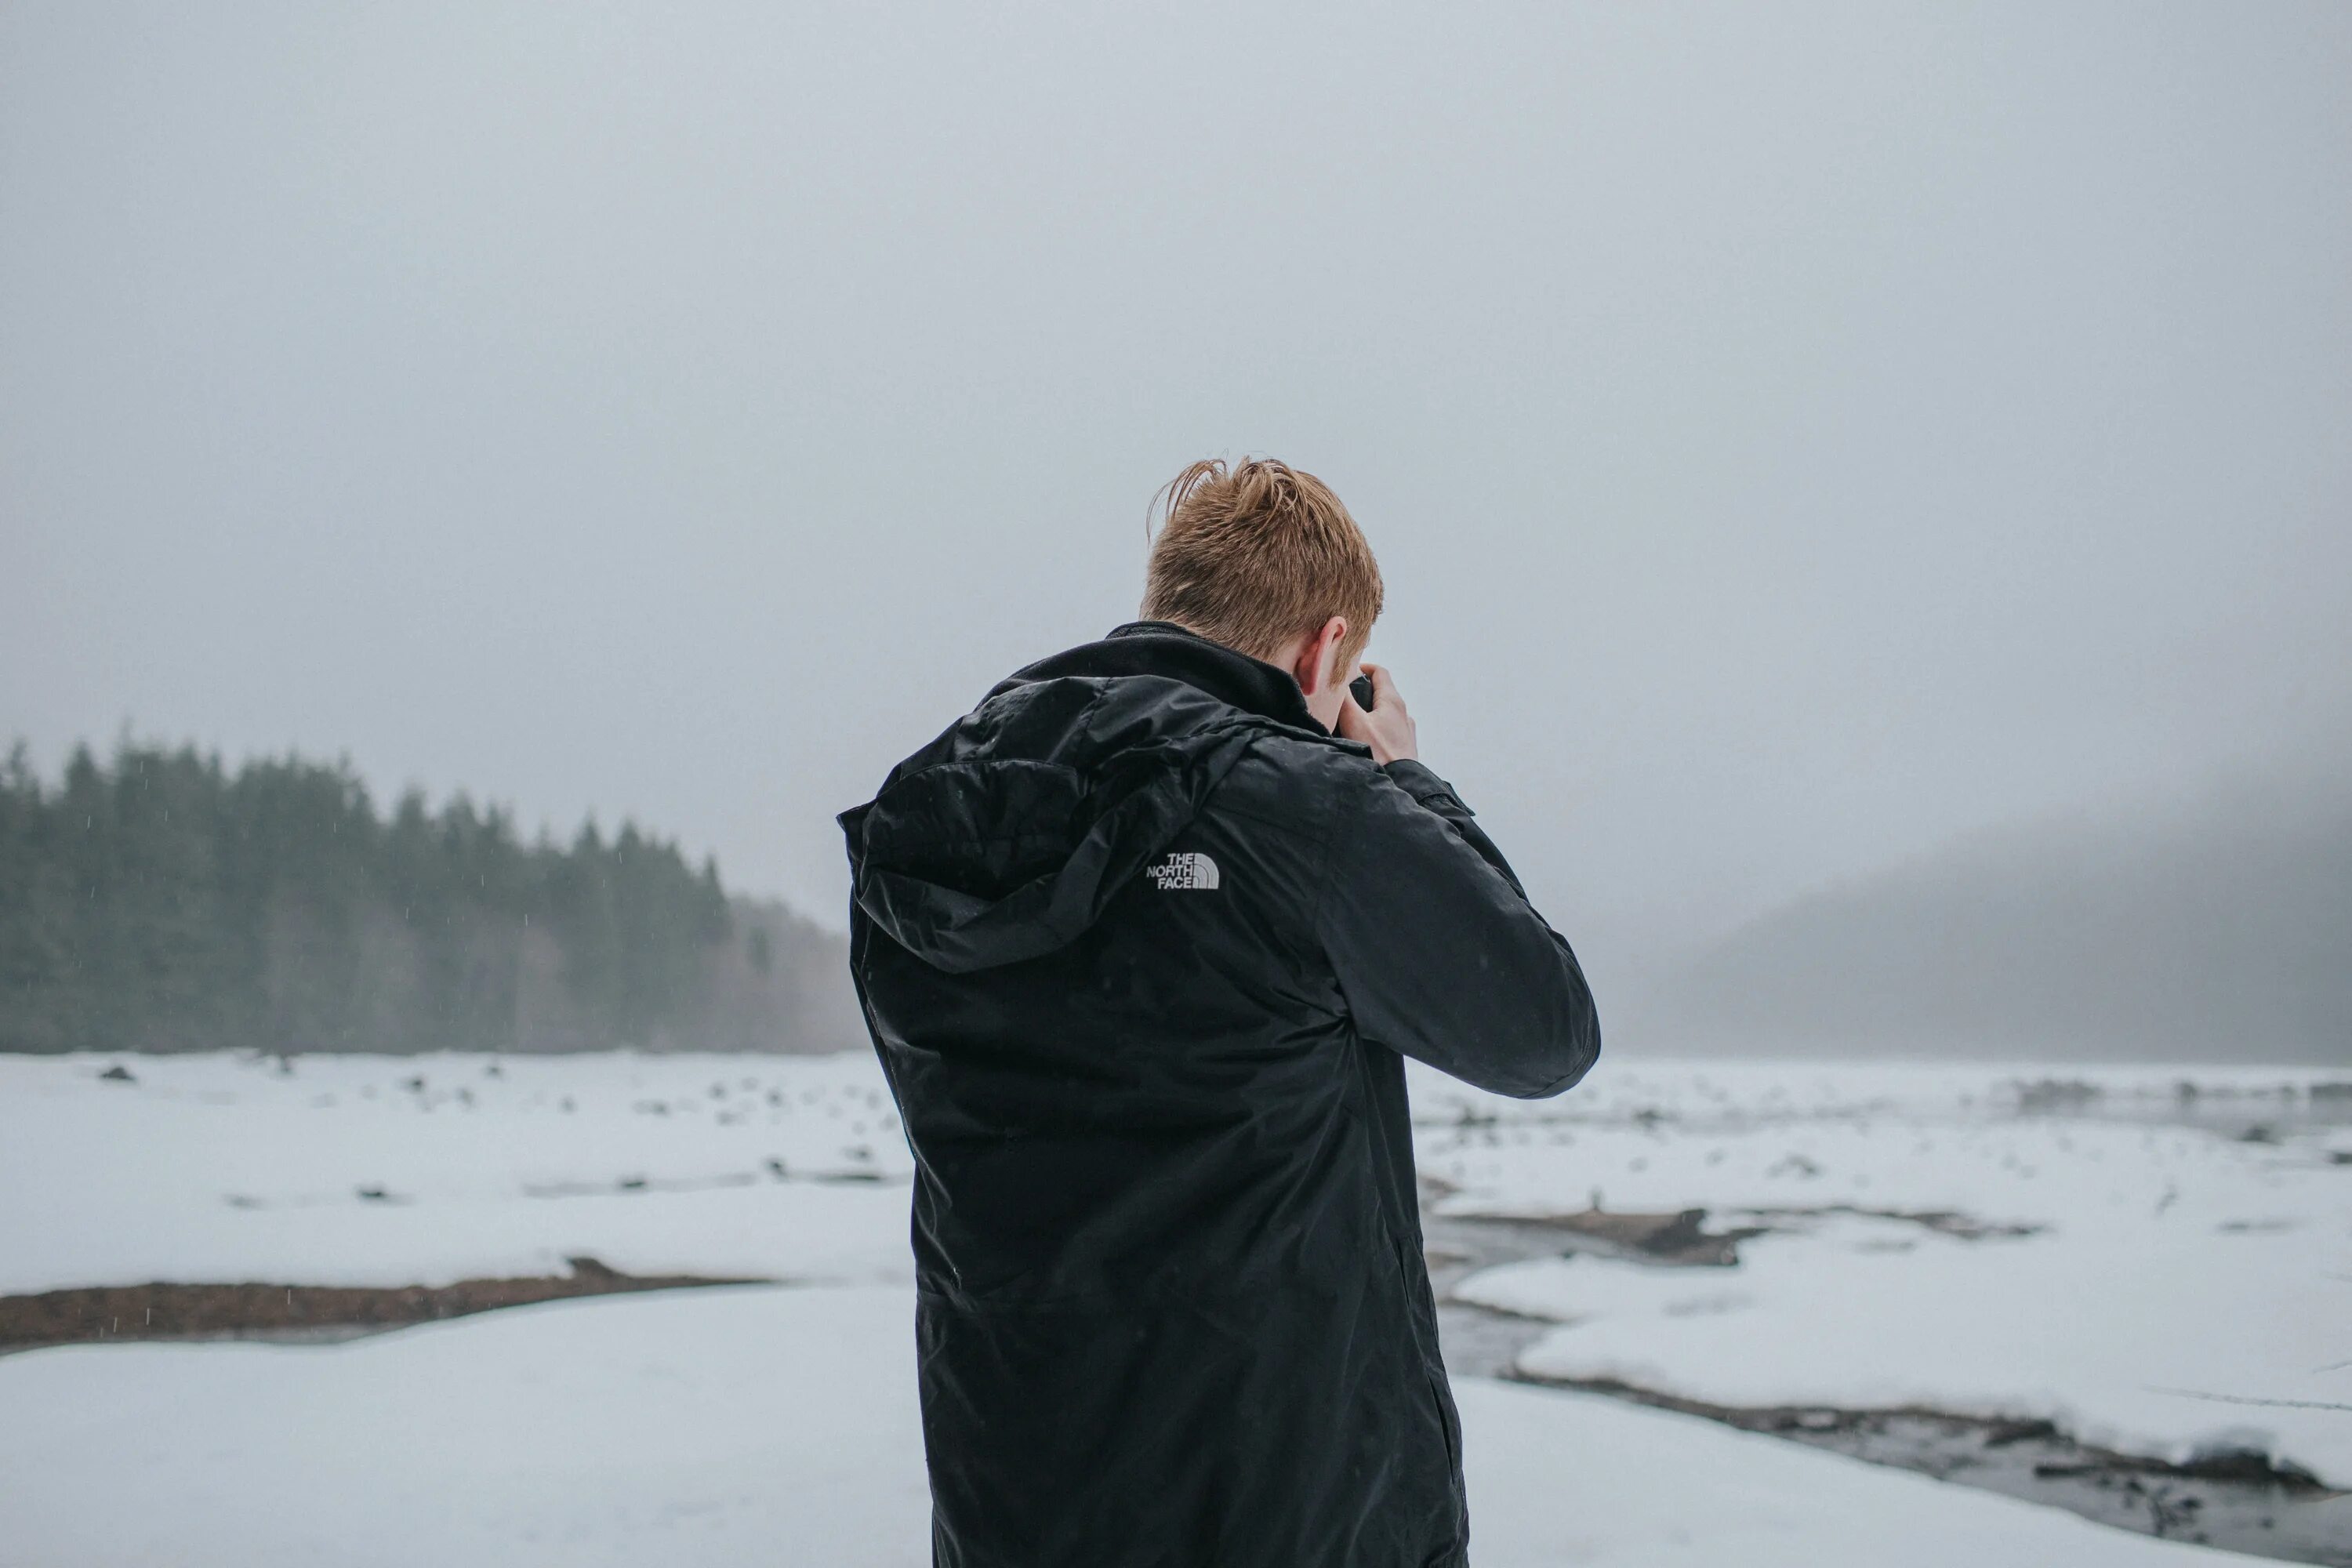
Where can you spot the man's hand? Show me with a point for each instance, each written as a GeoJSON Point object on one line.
{"type": "Point", "coordinates": [1388, 728]}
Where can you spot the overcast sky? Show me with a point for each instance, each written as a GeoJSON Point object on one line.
{"type": "Point", "coordinates": [1792, 436]}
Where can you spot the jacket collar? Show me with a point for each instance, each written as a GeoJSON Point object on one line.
{"type": "Point", "coordinates": [1163, 647]}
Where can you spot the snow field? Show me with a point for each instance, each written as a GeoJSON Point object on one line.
{"type": "Point", "coordinates": [756, 1426]}
{"type": "Point", "coordinates": [2180, 1290]}
{"type": "Point", "coordinates": [778, 1424]}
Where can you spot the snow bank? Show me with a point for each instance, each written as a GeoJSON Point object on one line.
{"type": "Point", "coordinates": [778, 1426]}
{"type": "Point", "coordinates": [2173, 1269]}
{"type": "Point", "coordinates": [219, 1168]}
{"type": "Point", "coordinates": [2180, 1289]}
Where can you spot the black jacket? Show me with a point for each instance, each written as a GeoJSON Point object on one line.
{"type": "Point", "coordinates": [1140, 943]}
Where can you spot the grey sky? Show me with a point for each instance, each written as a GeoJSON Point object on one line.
{"type": "Point", "coordinates": [1791, 435]}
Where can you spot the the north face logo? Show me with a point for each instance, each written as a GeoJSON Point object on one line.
{"type": "Point", "coordinates": [1186, 869]}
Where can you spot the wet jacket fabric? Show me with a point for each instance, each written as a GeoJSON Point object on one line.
{"type": "Point", "coordinates": [1141, 947]}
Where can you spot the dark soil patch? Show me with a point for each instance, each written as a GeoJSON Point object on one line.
{"type": "Point", "coordinates": [1678, 1240]}
{"type": "Point", "coordinates": [175, 1312]}
{"type": "Point", "coordinates": [2239, 1500]}
{"type": "Point", "coordinates": [1944, 1222]}
{"type": "Point", "coordinates": [1682, 1240]}
{"type": "Point", "coordinates": [1825, 1420]}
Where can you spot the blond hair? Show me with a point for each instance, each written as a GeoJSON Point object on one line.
{"type": "Point", "coordinates": [1259, 556]}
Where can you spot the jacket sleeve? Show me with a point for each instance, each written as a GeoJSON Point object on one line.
{"type": "Point", "coordinates": [1439, 953]}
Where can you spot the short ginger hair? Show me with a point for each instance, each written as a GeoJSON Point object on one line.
{"type": "Point", "coordinates": [1258, 555]}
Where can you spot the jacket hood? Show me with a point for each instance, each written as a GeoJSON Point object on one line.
{"type": "Point", "coordinates": [1005, 838]}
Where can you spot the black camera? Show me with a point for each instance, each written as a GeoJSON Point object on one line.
{"type": "Point", "coordinates": [1362, 686]}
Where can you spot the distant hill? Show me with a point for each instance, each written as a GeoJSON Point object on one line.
{"type": "Point", "coordinates": [158, 902]}
{"type": "Point", "coordinates": [2219, 931]}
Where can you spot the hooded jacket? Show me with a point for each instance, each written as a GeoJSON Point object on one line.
{"type": "Point", "coordinates": [1141, 947]}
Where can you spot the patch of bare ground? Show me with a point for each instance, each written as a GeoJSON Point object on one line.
{"type": "Point", "coordinates": [2237, 1499]}
{"type": "Point", "coordinates": [1678, 1240]}
{"type": "Point", "coordinates": [1682, 1239]}
{"type": "Point", "coordinates": [1943, 1222]}
{"type": "Point", "coordinates": [164, 1311]}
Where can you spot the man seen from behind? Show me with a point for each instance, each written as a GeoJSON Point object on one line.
{"type": "Point", "coordinates": [1142, 941]}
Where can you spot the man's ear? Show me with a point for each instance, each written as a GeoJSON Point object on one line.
{"type": "Point", "coordinates": [1314, 670]}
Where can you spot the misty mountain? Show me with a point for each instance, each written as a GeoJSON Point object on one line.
{"type": "Point", "coordinates": [160, 902]}
{"type": "Point", "coordinates": [2220, 931]}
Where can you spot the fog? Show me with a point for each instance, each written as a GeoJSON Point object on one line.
{"type": "Point", "coordinates": [1794, 439]}
{"type": "Point", "coordinates": [2218, 927]}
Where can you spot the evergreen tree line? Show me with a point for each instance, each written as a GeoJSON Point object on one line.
{"type": "Point", "coordinates": [160, 902]}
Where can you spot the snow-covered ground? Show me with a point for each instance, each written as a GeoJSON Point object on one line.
{"type": "Point", "coordinates": [761, 1426]}
{"type": "Point", "coordinates": [215, 1168]}
{"type": "Point", "coordinates": [764, 1423]}
{"type": "Point", "coordinates": [2179, 1287]}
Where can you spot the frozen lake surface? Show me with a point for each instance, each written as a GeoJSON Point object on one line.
{"type": "Point", "coordinates": [2143, 1274]}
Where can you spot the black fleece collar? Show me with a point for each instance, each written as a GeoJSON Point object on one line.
{"type": "Point", "coordinates": [1163, 647]}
